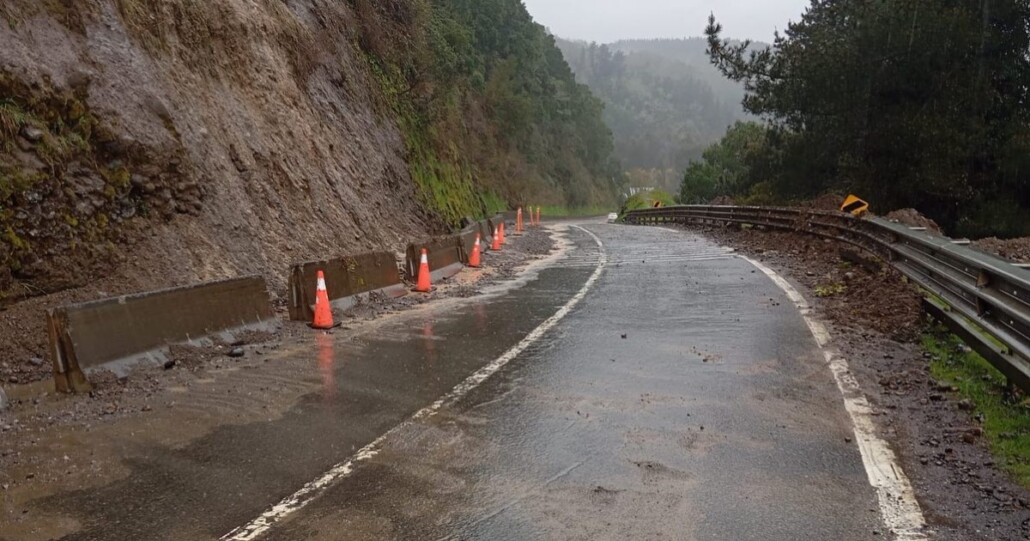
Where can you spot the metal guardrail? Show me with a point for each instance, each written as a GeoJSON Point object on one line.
{"type": "Point", "coordinates": [982, 298]}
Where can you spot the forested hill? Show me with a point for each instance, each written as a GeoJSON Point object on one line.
{"type": "Point", "coordinates": [664, 101]}
{"type": "Point", "coordinates": [693, 53]}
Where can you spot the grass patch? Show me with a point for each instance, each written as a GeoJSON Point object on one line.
{"type": "Point", "coordinates": [1006, 419]}
{"type": "Point", "coordinates": [830, 290]}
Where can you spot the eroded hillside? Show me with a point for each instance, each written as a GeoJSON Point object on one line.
{"type": "Point", "coordinates": [148, 144]}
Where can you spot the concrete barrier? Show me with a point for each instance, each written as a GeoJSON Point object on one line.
{"type": "Point", "coordinates": [492, 223]}
{"type": "Point", "coordinates": [468, 240]}
{"type": "Point", "coordinates": [467, 237]}
{"type": "Point", "coordinates": [346, 278]}
{"type": "Point", "coordinates": [445, 257]}
{"type": "Point", "coordinates": [121, 331]}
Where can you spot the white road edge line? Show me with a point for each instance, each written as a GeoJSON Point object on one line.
{"type": "Point", "coordinates": [898, 505]}
{"type": "Point", "coordinates": [309, 492]}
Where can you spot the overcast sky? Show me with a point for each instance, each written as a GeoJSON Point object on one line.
{"type": "Point", "coordinates": [611, 20]}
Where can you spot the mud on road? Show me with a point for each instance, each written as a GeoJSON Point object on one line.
{"type": "Point", "coordinates": [49, 440]}
{"type": "Point", "coordinates": [876, 323]}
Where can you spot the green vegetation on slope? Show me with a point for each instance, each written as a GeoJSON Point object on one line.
{"type": "Point", "coordinates": [645, 200]}
{"type": "Point", "coordinates": [487, 105]}
{"type": "Point", "coordinates": [663, 100]}
{"type": "Point", "coordinates": [725, 167]}
{"type": "Point", "coordinates": [1006, 422]}
{"type": "Point", "coordinates": [909, 106]}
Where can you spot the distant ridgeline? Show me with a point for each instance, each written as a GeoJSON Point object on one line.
{"type": "Point", "coordinates": [665, 102]}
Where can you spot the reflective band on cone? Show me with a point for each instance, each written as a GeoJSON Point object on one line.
{"type": "Point", "coordinates": [474, 259]}
{"type": "Point", "coordinates": [323, 311]}
{"type": "Point", "coordinates": [496, 246]}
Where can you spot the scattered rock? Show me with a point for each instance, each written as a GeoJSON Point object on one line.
{"type": "Point", "coordinates": [169, 364]}
{"type": "Point", "coordinates": [3, 400]}
{"type": "Point", "coordinates": [236, 353]}
{"type": "Point", "coordinates": [1017, 250]}
{"type": "Point", "coordinates": [32, 133]}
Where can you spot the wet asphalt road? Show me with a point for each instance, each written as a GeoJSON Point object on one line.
{"type": "Point", "coordinates": [683, 398]}
{"type": "Point", "coordinates": [715, 418]}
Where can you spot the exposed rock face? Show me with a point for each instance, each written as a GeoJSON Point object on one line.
{"type": "Point", "coordinates": [159, 143]}
{"type": "Point", "coordinates": [165, 142]}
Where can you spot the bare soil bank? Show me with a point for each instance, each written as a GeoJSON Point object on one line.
{"type": "Point", "coordinates": [148, 146]}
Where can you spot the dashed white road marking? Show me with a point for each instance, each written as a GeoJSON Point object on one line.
{"type": "Point", "coordinates": [898, 505]}
{"type": "Point", "coordinates": [309, 492]}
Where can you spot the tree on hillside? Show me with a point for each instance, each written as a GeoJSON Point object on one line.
{"type": "Point", "coordinates": [910, 104]}
{"type": "Point", "coordinates": [724, 168]}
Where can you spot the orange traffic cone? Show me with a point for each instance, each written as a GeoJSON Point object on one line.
{"type": "Point", "coordinates": [474, 261]}
{"type": "Point", "coordinates": [323, 311]}
{"type": "Point", "coordinates": [496, 246]}
{"type": "Point", "coordinates": [501, 234]}
{"type": "Point", "coordinates": [424, 284]}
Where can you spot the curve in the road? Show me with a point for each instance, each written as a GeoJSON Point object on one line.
{"type": "Point", "coordinates": [898, 505]}
{"type": "Point", "coordinates": [309, 492]}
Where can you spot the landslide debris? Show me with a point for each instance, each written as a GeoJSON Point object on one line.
{"type": "Point", "coordinates": [913, 218]}
{"type": "Point", "coordinates": [878, 326]}
{"type": "Point", "coordinates": [862, 295]}
{"type": "Point", "coordinates": [1017, 250]}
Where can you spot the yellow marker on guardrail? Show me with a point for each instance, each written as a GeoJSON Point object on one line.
{"type": "Point", "coordinates": [854, 206]}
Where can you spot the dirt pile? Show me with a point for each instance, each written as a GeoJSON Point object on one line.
{"type": "Point", "coordinates": [913, 218]}
{"type": "Point", "coordinates": [1017, 250]}
{"type": "Point", "coordinates": [830, 201]}
{"type": "Point", "coordinates": [160, 144]}
{"type": "Point", "coordinates": [863, 295]}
